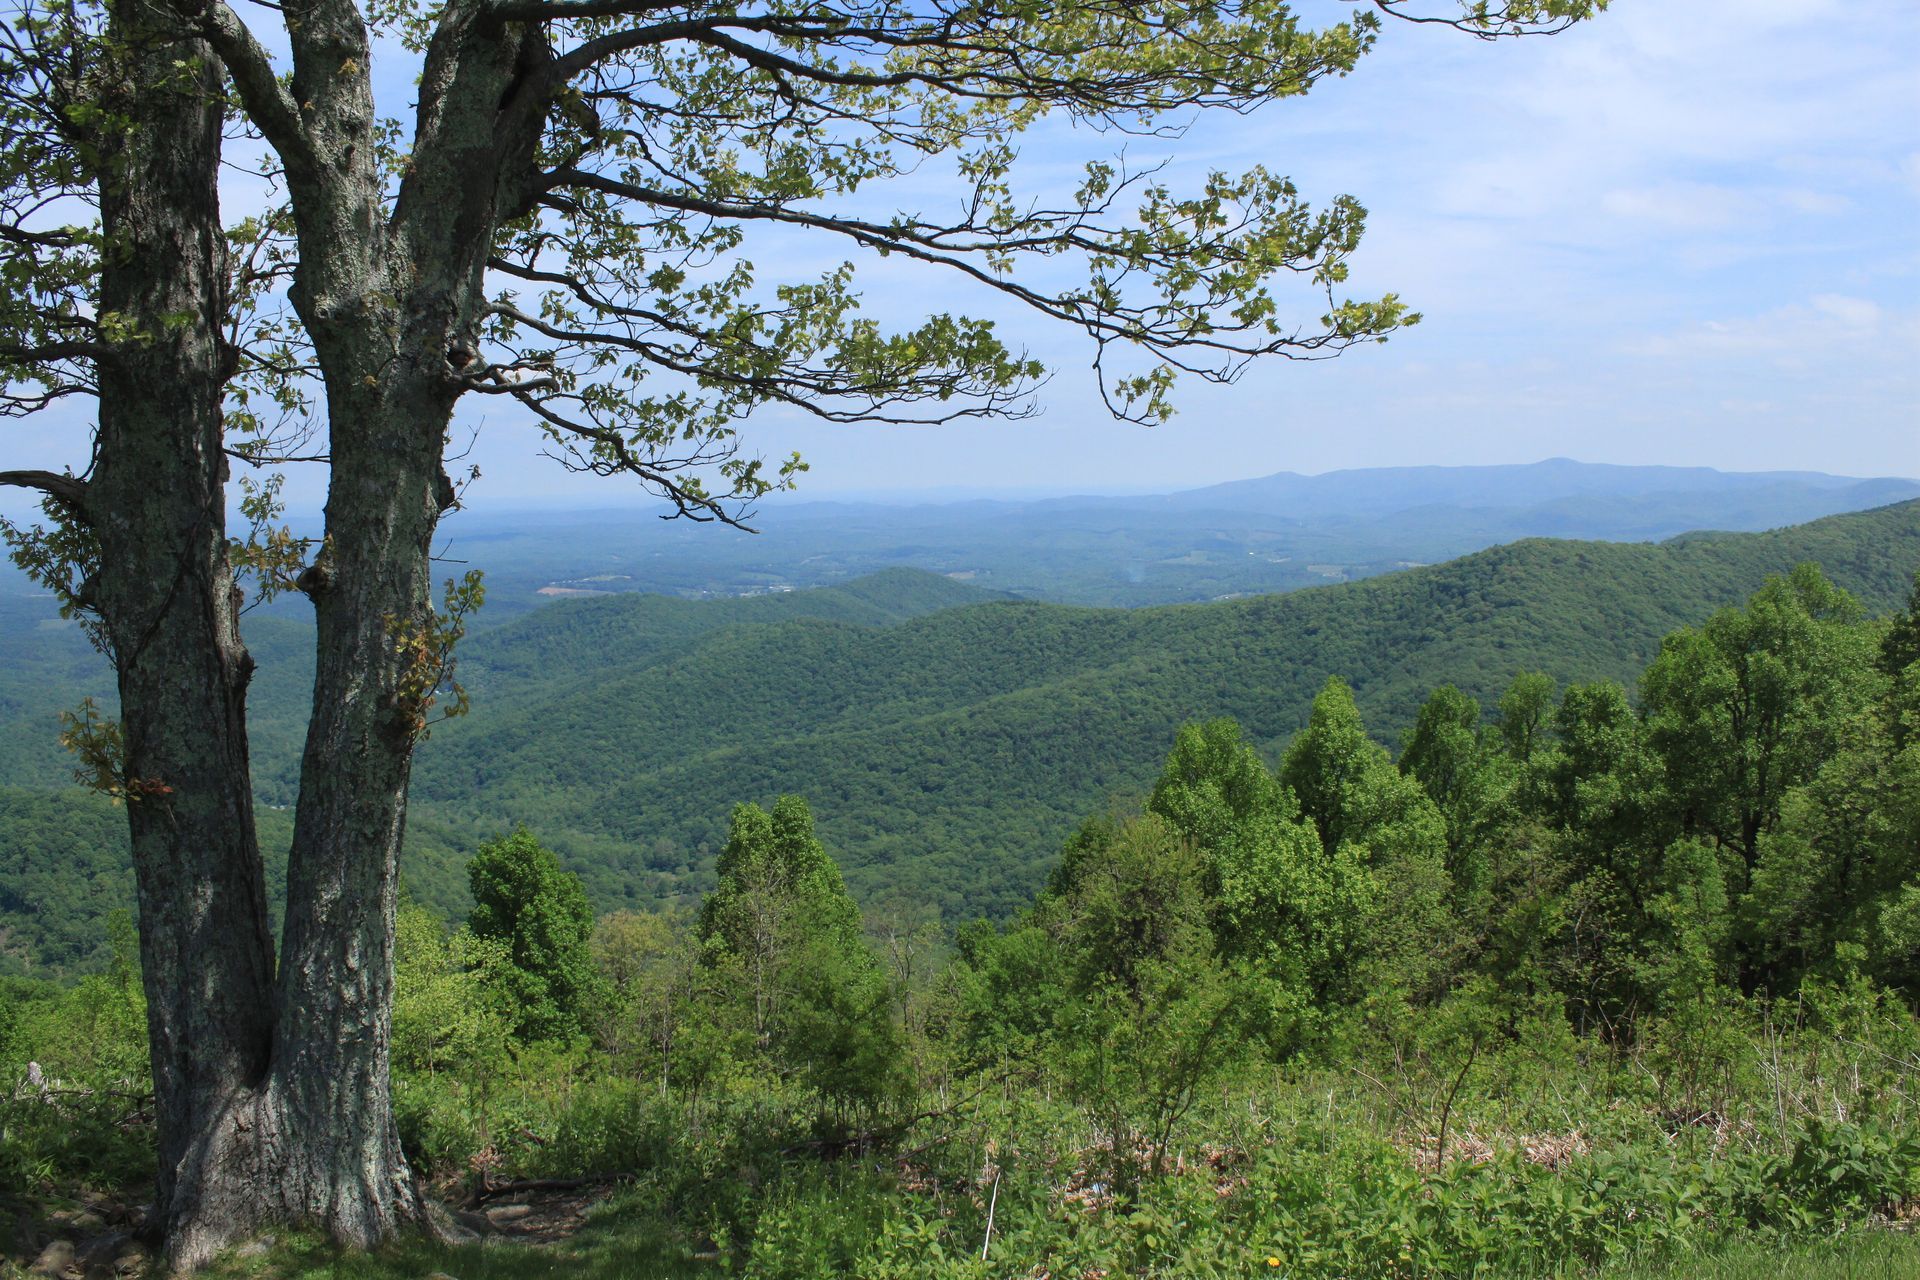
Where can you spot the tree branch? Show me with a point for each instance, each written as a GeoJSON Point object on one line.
{"type": "Point", "coordinates": [70, 490]}
{"type": "Point", "coordinates": [1103, 323]}
{"type": "Point", "coordinates": [1522, 18]}
{"type": "Point", "coordinates": [48, 352]}
{"type": "Point", "coordinates": [267, 100]}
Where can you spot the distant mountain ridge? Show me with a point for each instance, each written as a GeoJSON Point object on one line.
{"type": "Point", "coordinates": [1246, 537]}
{"type": "Point", "coordinates": [1388, 489]}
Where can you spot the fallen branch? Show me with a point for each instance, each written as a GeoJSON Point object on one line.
{"type": "Point", "coordinates": [494, 1190]}
{"type": "Point", "coordinates": [886, 1134]}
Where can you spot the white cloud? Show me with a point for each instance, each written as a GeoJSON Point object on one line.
{"type": "Point", "coordinates": [1683, 205]}
{"type": "Point", "coordinates": [1859, 315]}
{"type": "Point", "coordinates": [1796, 337]}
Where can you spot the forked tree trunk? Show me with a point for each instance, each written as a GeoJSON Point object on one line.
{"type": "Point", "coordinates": [272, 1097]}
{"type": "Point", "coordinates": [272, 1094]}
{"type": "Point", "coordinates": [385, 296]}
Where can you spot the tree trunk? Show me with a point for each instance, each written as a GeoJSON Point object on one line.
{"type": "Point", "coordinates": [165, 595]}
{"type": "Point", "coordinates": [385, 298]}
{"type": "Point", "coordinates": [288, 1119]}
{"type": "Point", "coordinates": [272, 1091]}
{"type": "Point", "coordinates": [336, 973]}
{"type": "Point", "coordinates": [272, 1095]}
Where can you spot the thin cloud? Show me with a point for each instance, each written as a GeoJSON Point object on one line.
{"type": "Point", "coordinates": [1796, 336]}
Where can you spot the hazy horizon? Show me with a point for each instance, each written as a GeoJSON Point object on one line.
{"type": "Point", "coordinates": [1676, 235]}
{"type": "Point", "coordinates": [933, 495]}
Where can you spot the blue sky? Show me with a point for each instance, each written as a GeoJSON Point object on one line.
{"type": "Point", "coordinates": [1683, 233]}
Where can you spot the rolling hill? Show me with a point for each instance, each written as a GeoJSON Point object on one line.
{"type": "Point", "coordinates": [947, 755]}
{"type": "Point", "coordinates": [948, 740]}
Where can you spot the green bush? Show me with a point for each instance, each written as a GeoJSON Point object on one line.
{"type": "Point", "coordinates": [75, 1093]}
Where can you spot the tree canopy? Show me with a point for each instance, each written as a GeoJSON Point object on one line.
{"type": "Point", "coordinates": [565, 225]}
{"type": "Point", "coordinates": [538, 914]}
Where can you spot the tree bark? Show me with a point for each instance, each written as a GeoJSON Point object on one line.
{"type": "Point", "coordinates": [385, 298]}
{"type": "Point", "coordinates": [165, 594]}
{"type": "Point", "coordinates": [336, 973]}
{"type": "Point", "coordinates": [272, 1093]}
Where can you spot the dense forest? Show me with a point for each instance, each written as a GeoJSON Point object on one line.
{"type": "Point", "coordinates": [948, 740]}
{"type": "Point", "coordinates": [1584, 976]}
{"type": "Point", "coordinates": [63, 858]}
{"type": "Point", "coordinates": [965, 743]}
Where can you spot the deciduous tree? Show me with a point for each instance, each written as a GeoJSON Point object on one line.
{"type": "Point", "coordinates": [784, 939]}
{"type": "Point", "coordinates": [563, 226]}
{"type": "Point", "coordinates": [537, 912]}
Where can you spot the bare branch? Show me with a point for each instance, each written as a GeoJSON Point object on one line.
{"type": "Point", "coordinates": [268, 101]}
{"type": "Point", "coordinates": [70, 490]}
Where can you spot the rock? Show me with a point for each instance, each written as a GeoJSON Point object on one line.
{"type": "Point", "coordinates": [102, 1248]}
{"type": "Point", "coordinates": [53, 1260]}
{"type": "Point", "coordinates": [114, 1254]}
{"type": "Point", "coordinates": [83, 1221]}
{"type": "Point", "coordinates": [132, 1259]}
{"type": "Point", "coordinates": [508, 1212]}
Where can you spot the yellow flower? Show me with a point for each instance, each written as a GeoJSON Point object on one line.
{"type": "Point", "coordinates": [1272, 1261]}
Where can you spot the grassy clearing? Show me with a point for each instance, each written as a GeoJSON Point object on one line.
{"type": "Point", "coordinates": [1865, 1255]}
{"type": "Point", "coordinates": [614, 1248]}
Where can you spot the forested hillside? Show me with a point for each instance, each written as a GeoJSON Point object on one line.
{"type": "Point", "coordinates": [1565, 985]}
{"type": "Point", "coordinates": [63, 854]}
{"type": "Point", "coordinates": [948, 756]}
{"type": "Point", "coordinates": [948, 741]}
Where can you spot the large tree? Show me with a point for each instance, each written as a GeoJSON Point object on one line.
{"type": "Point", "coordinates": [564, 225]}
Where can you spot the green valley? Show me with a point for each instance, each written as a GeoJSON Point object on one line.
{"type": "Point", "coordinates": [947, 756]}
{"type": "Point", "coordinates": [948, 740]}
